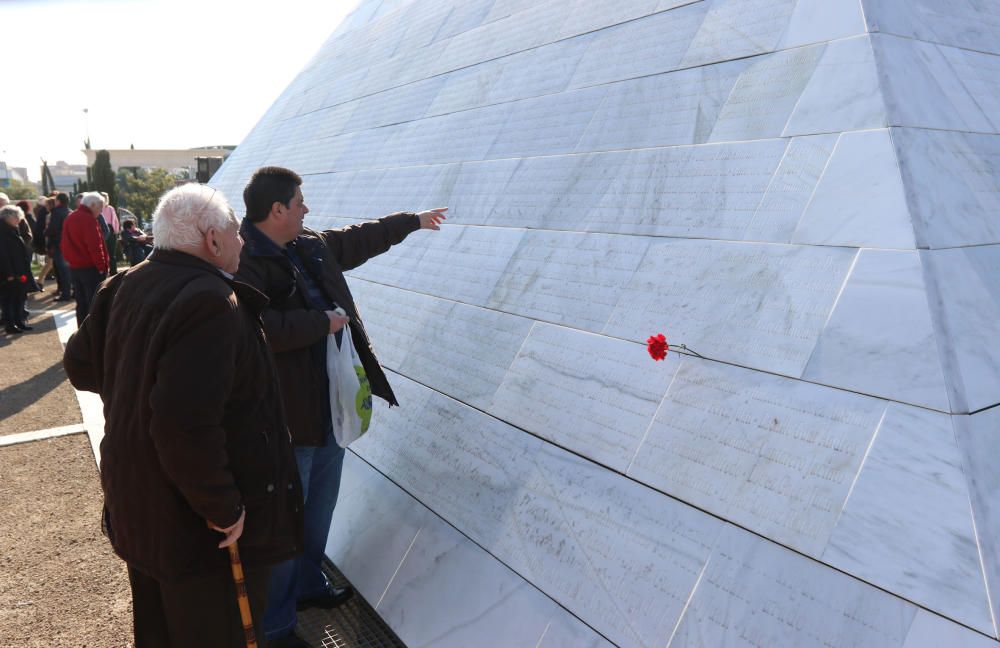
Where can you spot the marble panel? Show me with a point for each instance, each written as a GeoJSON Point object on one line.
{"type": "Point", "coordinates": [817, 21]}
{"type": "Point", "coordinates": [362, 149]}
{"type": "Point", "coordinates": [459, 263]}
{"type": "Point", "coordinates": [382, 75]}
{"type": "Point", "coordinates": [373, 526]}
{"type": "Point", "coordinates": [931, 631]}
{"type": "Point", "coordinates": [549, 125]}
{"type": "Point", "coordinates": [568, 277]}
{"type": "Point", "coordinates": [708, 191]}
{"type": "Point", "coordinates": [757, 305]}
{"type": "Point", "coordinates": [464, 16]}
{"type": "Point", "coordinates": [643, 47]}
{"type": "Point", "coordinates": [395, 318]}
{"type": "Point", "coordinates": [467, 88]}
{"type": "Point", "coordinates": [774, 455]}
{"type": "Point", "coordinates": [979, 442]}
{"type": "Point", "coordinates": [756, 593]}
{"type": "Point", "coordinates": [880, 338]}
{"type": "Point", "coordinates": [615, 554]}
{"type": "Point", "coordinates": [474, 188]}
{"type": "Point", "coordinates": [566, 631]}
{"type": "Point", "coordinates": [450, 593]}
{"type": "Point", "coordinates": [662, 110]}
{"type": "Point", "coordinates": [958, 23]}
{"type": "Point", "coordinates": [401, 104]}
{"type": "Point", "coordinates": [922, 90]}
{"type": "Point", "coordinates": [965, 297]}
{"type": "Point", "coordinates": [980, 76]}
{"type": "Point", "coordinates": [738, 28]}
{"type": "Point", "coordinates": [447, 352]}
{"type": "Point", "coordinates": [765, 95]}
{"type": "Point", "coordinates": [540, 71]}
{"type": "Point", "coordinates": [860, 200]}
{"type": "Point", "coordinates": [843, 92]}
{"type": "Point", "coordinates": [353, 198]}
{"type": "Point", "coordinates": [457, 137]}
{"type": "Point", "coordinates": [952, 183]}
{"type": "Point", "coordinates": [537, 185]}
{"type": "Point", "coordinates": [504, 8]}
{"type": "Point", "coordinates": [790, 190]}
{"type": "Point", "coordinates": [907, 526]}
{"type": "Point", "coordinates": [402, 189]}
{"type": "Point", "coordinates": [591, 394]}
{"type": "Point", "coordinates": [593, 16]}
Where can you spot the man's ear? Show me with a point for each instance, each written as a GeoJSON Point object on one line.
{"type": "Point", "coordinates": [276, 208]}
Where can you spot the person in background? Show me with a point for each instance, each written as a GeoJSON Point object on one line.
{"type": "Point", "coordinates": [27, 228]}
{"type": "Point", "coordinates": [114, 229]}
{"type": "Point", "coordinates": [135, 243]}
{"type": "Point", "coordinates": [83, 248]}
{"type": "Point", "coordinates": [14, 270]}
{"type": "Point", "coordinates": [53, 244]}
{"type": "Point", "coordinates": [43, 212]}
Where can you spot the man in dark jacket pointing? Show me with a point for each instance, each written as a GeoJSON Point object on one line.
{"type": "Point", "coordinates": [302, 272]}
{"type": "Point", "coordinates": [196, 443]}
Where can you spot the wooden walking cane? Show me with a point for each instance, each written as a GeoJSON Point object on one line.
{"type": "Point", "coordinates": [241, 596]}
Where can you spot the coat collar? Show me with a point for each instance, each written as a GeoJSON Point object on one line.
{"type": "Point", "coordinates": [257, 243]}
{"type": "Point", "coordinates": [255, 300]}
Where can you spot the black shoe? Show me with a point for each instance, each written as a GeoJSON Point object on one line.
{"type": "Point", "coordinates": [288, 641]}
{"type": "Point", "coordinates": [334, 597]}
{"type": "Point", "coordinates": [63, 299]}
{"type": "Point", "coordinates": [12, 330]}
{"type": "Point", "coordinates": [25, 327]}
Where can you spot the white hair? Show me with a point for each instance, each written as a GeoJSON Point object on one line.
{"type": "Point", "coordinates": [11, 210]}
{"type": "Point", "coordinates": [3, 199]}
{"type": "Point", "coordinates": [185, 213]}
{"type": "Point", "coordinates": [92, 198]}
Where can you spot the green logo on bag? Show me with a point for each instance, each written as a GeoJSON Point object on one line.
{"type": "Point", "coordinates": [363, 401]}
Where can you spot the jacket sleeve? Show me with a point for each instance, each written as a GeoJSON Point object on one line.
{"type": "Point", "coordinates": [286, 330]}
{"type": "Point", "coordinates": [53, 230]}
{"type": "Point", "coordinates": [93, 241]}
{"type": "Point", "coordinates": [194, 374]}
{"type": "Point", "coordinates": [83, 357]}
{"type": "Point", "coordinates": [354, 245]}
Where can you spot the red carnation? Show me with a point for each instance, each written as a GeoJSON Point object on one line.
{"type": "Point", "coordinates": [23, 279]}
{"type": "Point", "coordinates": [657, 346]}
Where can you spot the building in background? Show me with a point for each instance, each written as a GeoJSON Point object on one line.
{"type": "Point", "coordinates": [181, 162]}
{"type": "Point", "coordinates": [9, 173]}
{"type": "Point", "coordinates": [65, 175]}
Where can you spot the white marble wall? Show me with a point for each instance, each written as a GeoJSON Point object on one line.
{"type": "Point", "coordinates": [804, 191]}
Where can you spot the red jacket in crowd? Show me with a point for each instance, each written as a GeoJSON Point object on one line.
{"type": "Point", "coordinates": [83, 242]}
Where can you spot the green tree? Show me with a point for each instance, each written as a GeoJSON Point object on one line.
{"type": "Point", "coordinates": [139, 191]}
{"type": "Point", "coordinates": [102, 177]}
{"type": "Point", "coordinates": [18, 190]}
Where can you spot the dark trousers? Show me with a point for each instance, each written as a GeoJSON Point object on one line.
{"type": "Point", "coordinates": [12, 306]}
{"type": "Point", "coordinates": [85, 283]}
{"type": "Point", "coordinates": [111, 242]}
{"type": "Point", "coordinates": [62, 274]}
{"type": "Point", "coordinates": [198, 613]}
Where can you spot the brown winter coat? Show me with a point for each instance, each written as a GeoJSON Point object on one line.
{"type": "Point", "coordinates": [292, 328]}
{"type": "Point", "coordinates": [194, 425]}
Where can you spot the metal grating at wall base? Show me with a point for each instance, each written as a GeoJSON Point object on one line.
{"type": "Point", "coordinates": [353, 625]}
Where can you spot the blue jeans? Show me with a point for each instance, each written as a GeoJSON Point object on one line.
{"type": "Point", "coordinates": [320, 469]}
{"type": "Point", "coordinates": [62, 274]}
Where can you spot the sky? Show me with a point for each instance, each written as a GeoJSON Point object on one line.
{"type": "Point", "coordinates": [151, 73]}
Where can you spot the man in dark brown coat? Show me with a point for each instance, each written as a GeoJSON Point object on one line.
{"type": "Point", "coordinates": [302, 272]}
{"type": "Point", "coordinates": [196, 444]}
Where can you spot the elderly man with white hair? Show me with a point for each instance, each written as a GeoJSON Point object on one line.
{"type": "Point", "coordinates": [196, 443]}
{"type": "Point", "coordinates": [83, 248]}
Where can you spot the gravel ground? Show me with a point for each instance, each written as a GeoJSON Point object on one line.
{"type": "Point", "coordinates": [60, 583]}
{"type": "Point", "coordinates": [34, 392]}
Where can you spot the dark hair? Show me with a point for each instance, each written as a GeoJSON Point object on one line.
{"type": "Point", "coordinates": [267, 186]}
{"type": "Point", "coordinates": [128, 224]}
{"type": "Point", "coordinates": [62, 198]}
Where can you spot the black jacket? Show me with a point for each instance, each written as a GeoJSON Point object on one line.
{"type": "Point", "coordinates": [53, 231]}
{"type": "Point", "coordinates": [194, 424]}
{"type": "Point", "coordinates": [13, 262]}
{"type": "Point", "coordinates": [293, 329]}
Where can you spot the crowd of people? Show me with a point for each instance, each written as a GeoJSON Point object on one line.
{"type": "Point", "coordinates": [211, 359]}
{"type": "Point", "coordinates": [79, 248]}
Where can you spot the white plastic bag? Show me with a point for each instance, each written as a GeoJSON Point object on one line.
{"type": "Point", "coordinates": [350, 392]}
